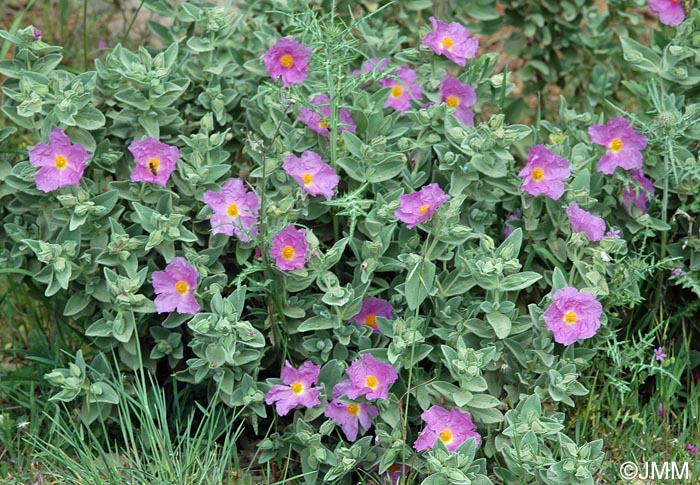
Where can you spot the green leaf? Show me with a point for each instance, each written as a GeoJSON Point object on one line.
{"type": "Point", "coordinates": [419, 282]}
{"type": "Point", "coordinates": [319, 323]}
{"type": "Point", "coordinates": [500, 323]}
{"type": "Point", "coordinates": [518, 281]}
{"type": "Point", "coordinates": [76, 303]}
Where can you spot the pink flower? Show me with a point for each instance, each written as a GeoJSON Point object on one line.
{"type": "Point", "coordinates": [670, 11]}
{"type": "Point", "coordinates": [175, 287]}
{"type": "Point", "coordinates": [101, 45]}
{"type": "Point", "coordinates": [573, 315]}
{"type": "Point", "coordinates": [460, 97]}
{"type": "Point", "coordinates": [313, 175]}
{"type": "Point", "coordinates": [60, 162]}
{"type": "Point", "coordinates": [583, 221]}
{"type": "Point", "coordinates": [371, 65]}
{"type": "Point", "coordinates": [659, 354]}
{"type": "Point", "coordinates": [634, 195]}
{"type": "Point", "coordinates": [370, 378]}
{"type": "Point", "coordinates": [513, 217]}
{"type": "Point", "coordinates": [418, 207]}
{"type": "Point", "coordinates": [37, 34]}
{"type": "Point", "coordinates": [453, 427]}
{"type": "Point", "coordinates": [289, 248]}
{"type": "Point", "coordinates": [298, 390]}
{"type": "Point", "coordinates": [691, 449]}
{"type": "Point", "coordinates": [403, 90]}
{"type": "Point", "coordinates": [235, 210]}
{"type": "Point", "coordinates": [452, 41]}
{"type": "Point", "coordinates": [677, 272]}
{"type": "Point", "coordinates": [289, 60]}
{"type": "Point", "coordinates": [371, 309]}
{"type": "Point", "coordinates": [613, 233]}
{"type": "Point", "coordinates": [349, 415]}
{"type": "Point", "coordinates": [155, 161]}
{"type": "Point", "coordinates": [624, 145]}
{"type": "Point", "coordinates": [544, 173]}
{"type": "Point", "coordinates": [320, 122]}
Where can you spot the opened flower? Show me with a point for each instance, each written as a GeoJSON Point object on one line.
{"type": "Point", "coordinates": [175, 287]}
{"type": "Point", "coordinates": [350, 416]}
{"type": "Point", "coordinates": [452, 41]}
{"type": "Point", "coordinates": [659, 354]}
{"type": "Point", "coordinates": [544, 173]}
{"type": "Point", "coordinates": [583, 221]}
{"type": "Point", "coordinates": [60, 162]}
{"type": "Point", "coordinates": [573, 315]}
{"type": "Point", "coordinates": [403, 90]}
{"type": "Point", "coordinates": [289, 60]}
{"type": "Point", "coordinates": [624, 145]}
{"type": "Point", "coordinates": [418, 207]}
{"type": "Point", "coordinates": [313, 174]}
{"type": "Point", "coordinates": [370, 378]}
{"type": "Point", "coordinates": [320, 122]}
{"type": "Point", "coordinates": [298, 389]}
{"type": "Point", "coordinates": [460, 97]}
{"type": "Point", "coordinates": [371, 309]}
{"type": "Point", "coordinates": [670, 11]}
{"type": "Point", "coordinates": [452, 427]}
{"type": "Point", "coordinates": [633, 195]}
{"type": "Point", "coordinates": [235, 210]}
{"type": "Point", "coordinates": [289, 248]}
{"type": "Point", "coordinates": [155, 161]}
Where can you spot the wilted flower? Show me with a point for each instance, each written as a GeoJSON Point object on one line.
{"type": "Point", "coordinates": [544, 173]}
{"type": "Point", "coordinates": [349, 415]}
{"type": "Point", "coordinates": [659, 354]}
{"type": "Point", "coordinates": [677, 272]}
{"type": "Point", "coordinates": [60, 162]}
{"type": "Point", "coordinates": [513, 217]}
{"type": "Point", "coordinates": [370, 378]}
{"type": "Point", "coordinates": [235, 210]}
{"type": "Point", "coordinates": [583, 221]}
{"type": "Point", "coordinates": [452, 41]}
{"type": "Point", "coordinates": [37, 34]}
{"type": "Point", "coordinates": [313, 175]}
{"type": "Point", "coordinates": [670, 11]}
{"type": "Point", "coordinates": [634, 195]}
{"type": "Point", "coordinates": [460, 97]}
{"type": "Point", "coordinates": [320, 122]}
{"type": "Point", "coordinates": [453, 427]}
{"type": "Point", "coordinates": [624, 145]}
{"type": "Point", "coordinates": [403, 90]}
{"type": "Point", "coordinates": [691, 448]}
{"type": "Point", "coordinates": [418, 207]}
{"type": "Point", "coordinates": [175, 287]}
{"type": "Point", "coordinates": [371, 309]}
{"type": "Point", "coordinates": [573, 315]}
{"type": "Point", "coordinates": [155, 161]}
{"type": "Point", "coordinates": [289, 248]}
{"type": "Point", "coordinates": [289, 60]}
{"type": "Point", "coordinates": [298, 390]}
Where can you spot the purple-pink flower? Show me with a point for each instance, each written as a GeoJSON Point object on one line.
{"type": "Point", "coordinates": [418, 207]}
{"type": "Point", "coordinates": [460, 97]}
{"type": "Point", "coordinates": [691, 448]}
{"type": "Point", "coordinates": [659, 354]}
{"type": "Point", "coordinates": [289, 248]}
{"type": "Point", "coordinates": [37, 33]}
{"type": "Point", "coordinates": [101, 45]}
{"type": "Point", "coordinates": [452, 41]}
{"type": "Point", "coordinates": [677, 272]}
{"type": "Point", "coordinates": [583, 221]}
{"type": "Point", "coordinates": [544, 173]}
{"type": "Point", "coordinates": [313, 174]}
{"type": "Point", "coordinates": [370, 378]}
{"type": "Point", "coordinates": [670, 11]}
{"type": "Point", "coordinates": [573, 315]}
{"type": "Point", "coordinates": [403, 90]}
{"type": "Point", "coordinates": [175, 287]}
{"type": "Point", "coordinates": [613, 233]}
{"type": "Point", "coordinates": [513, 217]}
{"type": "Point", "coordinates": [155, 161]}
{"type": "Point", "coordinates": [350, 415]}
{"type": "Point", "coordinates": [371, 65]}
{"type": "Point", "coordinates": [235, 210]}
{"type": "Point", "coordinates": [320, 122]}
{"type": "Point", "coordinates": [289, 60]}
{"type": "Point", "coordinates": [635, 195]}
{"type": "Point", "coordinates": [298, 389]}
{"type": "Point", "coordinates": [371, 309]}
{"type": "Point", "coordinates": [624, 145]}
{"type": "Point", "coordinates": [453, 427]}
{"type": "Point", "coordinates": [60, 162]}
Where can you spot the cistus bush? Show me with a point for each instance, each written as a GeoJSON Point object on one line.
{"type": "Point", "coordinates": [334, 228]}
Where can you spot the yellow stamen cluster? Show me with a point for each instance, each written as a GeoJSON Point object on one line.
{"type": "Point", "coordinates": [232, 210]}
{"type": "Point", "coordinates": [297, 387]}
{"type": "Point", "coordinates": [447, 43]}
{"type": "Point", "coordinates": [287, 61]}
{"type": "Point", "coordinates": [538, 174]}
{"type": "Point", "coordinates": [60, 161]}
{"type": "Point", "coordinates": [288, 252]}
{"type": "Point", "coordinates": [371, 382]}
{"type": "Point", "coordinates": [570, 317]}
{"type": "Point", "coordinates": [308, 179]}
{"type": "Point", "coordinates": [616, 145]}
{"type": "Point", "coordinates": [452, 101]}
{"type": "Point", "coordinates": [446, 436]}
{"type": "Point", "coordinates": [396, 91]}
{"type": "Point", "coordinates": [424, 208]}
{"type": "Point", "coordinates": [371, 320]}
{"type": "Point", "coordinates": [353, 409]}
{"type": "Point", "coordinates": [182, 287]}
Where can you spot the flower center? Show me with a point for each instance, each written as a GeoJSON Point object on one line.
{"type": "Point", "coordinates": [371, 382]}
{"type": "Point", "coordinates": [538, 174]}
{"type": "Point", "coordinates": [570, 317]}
{"type": "Point", "coordinates": [288, 252]}
{"type": "Point", "coordinates": [353, 409]}
{"type": "Point", "coordinates": [323, 125]}
{"type": "Point", "coordinates": [446, 436]}
{"type": "Point", "coordinates": [452, 101]}
{"type": "Point", "coordinates": [447, 43]}
{"type": "Point", "coordinates": [616, 145]}
{"type": "Point", "coordinates": [182, 287]}
{"type": "Point", "coordinates": [424, 208]}
{"type": "Point", "coordinates": [371, 320]}
{"type": "Point", "coordinates": [60, 161]}
{"type": "Point", "coordinates": [153, 165]}
{"type": "Point", "coordinates": [297, 387]}
{"type": "Point", "coordinates": [393, 468]}
{"type": "Point", "coordinates": [308, 178]}
{"type": "Point", "coordinates": [287, 61]}
{"type": "Point", "coordinates": [396, 91]}
{"type": "Point", "coordinates": [232, 210]}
